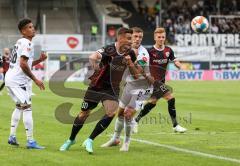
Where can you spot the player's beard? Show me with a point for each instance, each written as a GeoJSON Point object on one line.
{"type": "Point", "coordinates": [124, 49]}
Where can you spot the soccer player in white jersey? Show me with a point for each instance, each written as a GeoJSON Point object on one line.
{"type": "Point", "coordinates": [17, 82]}
{"type": "Point", "coordinates": [135, 90]}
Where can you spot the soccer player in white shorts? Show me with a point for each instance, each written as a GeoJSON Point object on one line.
{"type": "Point", "coordinates": [135, 90]}
{"type": "Point", "coordinates": [18, 79]}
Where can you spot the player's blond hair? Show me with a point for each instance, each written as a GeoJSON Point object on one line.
{"type": "Point", "coordinates": [159, 30]}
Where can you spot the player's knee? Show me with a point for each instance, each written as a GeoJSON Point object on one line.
{"type": "Point", "coordinates": [168, 96]}
{"type": "Point", "coordinates": [153, 100]}
{"type": "Point", "coordinates": [128, 113]}
{"type": "Point", "coordinates": [18, 106]}
{"type": "Point", "coordinates": [110, 113]}
{"type": "Point", "coordinates": [120, 112]}
{"type": "Point", "coordinates": [27, 120]}
{"type": "Point", "coordinates": [84, 114]}
{"type": "Point", "coordinates": [23, 106]}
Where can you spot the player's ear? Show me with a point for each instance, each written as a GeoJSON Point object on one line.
{"type": "Point", "coordinates": [22, 31]}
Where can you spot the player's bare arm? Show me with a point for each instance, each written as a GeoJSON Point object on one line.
{"type": "Point", "coordinates": [25, 68]}
{"type": "Point", "coordinates": [149, 78]}
{"type": "Point", "coordinates": [41, 58]}
{"type": "Point", "coordinates": [178, 64]}
{"type": "Point", "coordinates": [94, 59]}
{"type": "Point", "coordinates": [133, 68]}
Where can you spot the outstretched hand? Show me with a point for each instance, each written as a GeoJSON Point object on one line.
{"type": "Point", "coordinates": [42, 57]}
{"type": "Point", "coordinates": [39, 84]}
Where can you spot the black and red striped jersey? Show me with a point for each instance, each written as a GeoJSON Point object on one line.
{"type": "Point", "coordinates": [159, 59]}
{"type": "Point", "coordinates": [112, 67]}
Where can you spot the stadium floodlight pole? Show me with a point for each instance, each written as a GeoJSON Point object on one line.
{"type": "Point", "coordinates": [210, 31]}
{"type": "Point", "coordinates": [103, 29]}
{"type": "Point", "coordinates": [218, 6]}
{"type": "Point", "coordinates": [25, 9]}
{"type": "Point", "coordinates": [44, 24]}
{"type": "Point", "coordinates": [157, 20]}
{"type": "Point", "coordinates": [160, 13]}
{"type": "Point", "coordinates": [77, 13]}
{"type": "Point", "coordinates": [44, 45]}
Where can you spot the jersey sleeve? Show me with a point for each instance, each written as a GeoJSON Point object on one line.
{"type": "Point", "coordinates": [107, 51]}
{"type": "Point", "coordinates": [25, 49]}
{"type": "Point", "coordinates": [100, 51]}
{"type": "Point", "coordinates": [171, 55]}
{"type": "Point", "coordinates": [143, 57]}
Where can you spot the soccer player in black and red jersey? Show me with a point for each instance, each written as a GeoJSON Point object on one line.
{"type": "Point", "coordinates": [160, 55]}
{"type": "Point", "coordinates": [104, 86]}
{"type": "Point", "coordinates": [5, 64]}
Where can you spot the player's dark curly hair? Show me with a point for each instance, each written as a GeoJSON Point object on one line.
{"type": "Point", "coordinates": [22, 23]}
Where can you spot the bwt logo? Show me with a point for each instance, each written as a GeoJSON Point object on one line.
{"type": "Point", "coordinates": [187, 75]}
{"type": "Point", "coordinates": [227, 75]}
{"type": "Point", "coordinates": [217, 75]}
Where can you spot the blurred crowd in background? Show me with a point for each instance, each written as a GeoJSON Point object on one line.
{"type": "Point", "coordinates": [176, 18]}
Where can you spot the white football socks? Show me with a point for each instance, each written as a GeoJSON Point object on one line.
{"type": "Point", "coordinates": [28, 123]}
{"type": "Point", "coordinates": [127, 128]}
{"type": "Point", "coordinates": [16, 116]}
{"type": "Point", "coordinates": [118, 127]}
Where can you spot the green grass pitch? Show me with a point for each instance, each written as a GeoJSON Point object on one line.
{"type": "Point", "coordinates": [209, 110]}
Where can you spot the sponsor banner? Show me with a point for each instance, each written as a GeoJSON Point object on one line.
{"type": "Point", "coordinates": [204, 75]}
{"type": "Point", "coordinates": [226, 75]}
{"type": "Point", "coordinates": [225, 65]}
{"type": "Point", "coordinates": [211, 47]}
{"type": "Point", "coordinates": [193, 53]}
{"type": "Point", "coordinates": [59, 42]}
{"type": "Point", "coordinates": [188, 75]}
{"type": "Point", "coordinates": [190, 66]}
{"type": "Point", "coordinates": [218, 40]}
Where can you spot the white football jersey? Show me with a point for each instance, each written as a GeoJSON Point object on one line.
{"type": "Point", "coordinates": [142, 60]}
{"type": "Point", "coordinates": [15, 77]}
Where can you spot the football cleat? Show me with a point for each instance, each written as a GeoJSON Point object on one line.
{"type": "Point", "coordinates": [31, 144]}
{"type": "Point", "coordinates": [179, 129]}
{"type": "Point", "coordinates": [88, 144]}
{"type": "Point", "coordinates": [110, 143]}
{"type": "Point", "coordinates": [67, 144]}
{"type": "Point", "coordinates": [125, 147]}
{"type": "Point", "coordinates": [12, 140]}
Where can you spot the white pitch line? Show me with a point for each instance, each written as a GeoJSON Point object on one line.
{"type": "Point", "coordinates": [187, 151]}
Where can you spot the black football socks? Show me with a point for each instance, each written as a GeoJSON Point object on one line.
{"type": "Point", "coordinates": [147, 108]}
